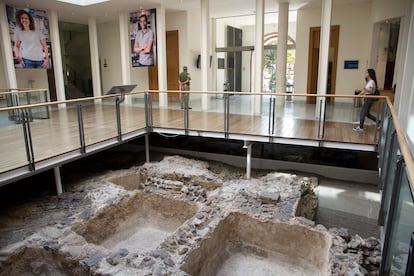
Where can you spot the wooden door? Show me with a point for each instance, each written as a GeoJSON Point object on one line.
{"type": "Point", "coordinates": [173, 69]}
{"type": "Point", "coordinates": [173, 64]}
{"type": "Point", "coordinates": [314, 41]}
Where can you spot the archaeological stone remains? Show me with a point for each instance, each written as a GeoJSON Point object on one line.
{"type": "Point", "coordinates": [181, 216]}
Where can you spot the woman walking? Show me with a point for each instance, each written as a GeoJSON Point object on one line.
{"type": "Point", "coordinates": [369, 89]}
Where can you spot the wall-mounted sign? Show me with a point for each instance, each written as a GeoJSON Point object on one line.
{"type": "Point", "coordinates": [351, 64]}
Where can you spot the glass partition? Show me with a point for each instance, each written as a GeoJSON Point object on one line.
{"type": "Point", "coordinates": [401, 227]}
{"type": "Point", "coordinates": [15, 97]}
{"type": "Point", "coordinates": [13, 151]}
{"type": "Point", "coordinates": [132, 113]}
{"type": "Point", "coordinates": [57, 135]}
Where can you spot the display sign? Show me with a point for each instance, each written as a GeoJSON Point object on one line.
{"type": "Point", "coordinates": [351, 64]}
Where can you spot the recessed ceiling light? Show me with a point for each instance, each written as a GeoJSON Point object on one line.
{"type": "Point", "coordinates": [83, 2]}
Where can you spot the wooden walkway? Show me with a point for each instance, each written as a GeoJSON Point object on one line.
{"type": "Point", "coordinates": [60, 135]}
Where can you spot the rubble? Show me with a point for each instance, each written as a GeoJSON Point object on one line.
{"type": "Point", "coordinates": [184, 202]}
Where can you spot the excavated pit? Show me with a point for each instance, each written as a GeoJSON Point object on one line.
{"type": "Point", "coordinates": [40, 261]}
{"type": "Point", "coordinates": [129, 181]}
{"type": "Point", "coordinates": [181, 217]}
{"type": "Point", "coordinates": [138, 223]}
{"type": "Point", "coordinates": [242, 245]}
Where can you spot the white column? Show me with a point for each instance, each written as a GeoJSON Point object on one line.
{"type": "Point", "coordinates": [324, 46]}
{"type": "Point", "coordinates": [93, 42]}
{"type": "Point", "coordinates": [125, 48]}
{"type": "Point", "coordinates": [404, 96]}
{"type": "Point", "coordinates": [205, 56]}
{"type": "Point", "coordinates": [213, 43]}
{"type": "Point", "coordinates": [56, 55]}
{"type": "Point", "coordinates": [323, 59]}
{"type": "Point", "coordinates": [125, 51]}
{"type": "Point", "coordinates": [7, 53]}
{"type": "Point", "coordinates": [258, 60]}
{"type": "Point", "coordinates": [281, 54]}
{"type": "Point", "coordinates": [162, 56]}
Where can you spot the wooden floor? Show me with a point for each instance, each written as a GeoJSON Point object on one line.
{"type": "Point", "coordinates": [60, 133]}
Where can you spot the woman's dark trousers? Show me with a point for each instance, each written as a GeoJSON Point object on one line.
{"type": "Point", "coordinates": [365, 112]}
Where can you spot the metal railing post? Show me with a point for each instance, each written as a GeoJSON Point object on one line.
{"type": "Point", "coordinates": [321, 117]}
{"type": "Point", "coordinates": [186, 113]}
{"type": "Point", "coordinates": [24, 116]}
{"type": "Point", "coordinates": [81, 129]}
{"type": "Point", "coordinates": [148, 112]}
{"type": "Point", "coordinates": [226, 115]}
{"type": "Point", "coordinates": [272, 114]}
{"type": "Point", "coordinates": [118, 102]}
{"type": "Point", "coordinates": [247, 145]}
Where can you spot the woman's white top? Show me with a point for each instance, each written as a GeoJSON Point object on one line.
{"type": "Point", "coordinates": [30, 47]}
{"type": "Point", "coordinates": [370, 85]}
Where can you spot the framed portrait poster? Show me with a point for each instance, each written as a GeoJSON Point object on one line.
{"type": "Point", "coordinates": [29, 34]}
{"type": "Point", "coordinates": [143, 30]}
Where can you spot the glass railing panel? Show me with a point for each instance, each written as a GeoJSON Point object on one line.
{"type": "Point", "coordinates": [402, 229]}
{"type": "Point", "coordinates": [210, 118]}
{"type": "Point", "coordinates": [132, 113]}
{"type": "Point", "coordinates": [295, 117]}
{"type": "Point", "coordinates": [343, 115]}
{"type": "Point", "coordinates": [32, 96]}
{"type": "Point", "coordinates": [19, 98]}
{"type": "Point", "coordinates": [56, 135]}
{"type": "Point", "coordinates": [99, 120]}
{"type": "Point", "coordinates": [387, 128]}
{"type": "Point", "coordinates": [391, 168]}
{"type": "Point", "coordinates": [248, 114]}
{"type": "Point", "coordinates": [386, 144]}
{"type": "Point", "coordinates": [13, 151]}
{"type": "Point", "coordinates": [164, 117]}
{"type": "Point", "coordinates": [3, 99]}
{"type": "Point", "coordinates": [38, 97]}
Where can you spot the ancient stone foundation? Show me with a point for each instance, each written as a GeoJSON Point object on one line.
{"type": "Point", "coordinates": [182, 217]}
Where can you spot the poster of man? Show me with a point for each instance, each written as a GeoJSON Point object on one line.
{"type": "Point", "coordinates": [143, 38]}
{"type": "Point", "coordinates": [29, 34]}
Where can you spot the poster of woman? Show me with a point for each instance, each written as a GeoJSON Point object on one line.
{"type": "Point", "coordinates": [29, 36]}
{"type": "Point", "coordinates": [143, 38]}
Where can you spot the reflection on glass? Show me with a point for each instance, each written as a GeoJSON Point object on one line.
{"type": "Point", "coordinates": [403, 222]}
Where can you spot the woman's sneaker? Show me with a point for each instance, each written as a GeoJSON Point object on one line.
{"type": "Point", "coordinates": [358, 129]}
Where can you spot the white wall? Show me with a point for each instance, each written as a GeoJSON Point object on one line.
{"type": "Point", "coordinates": [109, 50]}
{"type": "Point", "coordinates": [26, 78]}
{"type": "Point", "coordinates": [386, 9]}
{"type": "Point", "coordinates": [188, 25]}
{"type": "Point", "coordinates": [354, 44]}
{"type": "Point", "coordinates": [194, 48]}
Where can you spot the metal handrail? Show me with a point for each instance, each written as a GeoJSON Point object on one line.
{"type": "Point", "coordinates": [227, 126]}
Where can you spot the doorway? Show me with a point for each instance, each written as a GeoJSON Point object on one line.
{"type": "Point", "coordinates": [76, 60]}
{"type": "Point", "coordinates": [384, 51]}
{"type": "Point", "coordinates": [173, 70]}
{"type": "Point", "coordinates": [313, 65]}
{"type": "Point", "coordinates": [234, 59]}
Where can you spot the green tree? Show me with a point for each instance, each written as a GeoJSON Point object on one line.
{"type": "Point", "coordinates": [269, 64]}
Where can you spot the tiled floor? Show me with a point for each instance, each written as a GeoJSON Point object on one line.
{"type": "Point", "coordinates": [350, 205]}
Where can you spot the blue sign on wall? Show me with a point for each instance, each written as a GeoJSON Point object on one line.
{"type": "Point", "coordinates": [351, 64]}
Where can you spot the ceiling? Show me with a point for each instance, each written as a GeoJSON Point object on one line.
{"type": "Point", "coordinates": [109, 11]}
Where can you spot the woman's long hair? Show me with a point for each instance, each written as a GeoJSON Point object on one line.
{"type": "Point", "coordinates": [31, 20]}
{"type": "Point", "coordinates": [373, 76]}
